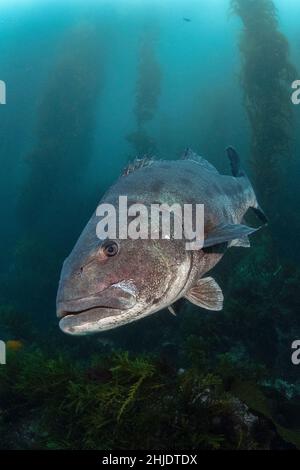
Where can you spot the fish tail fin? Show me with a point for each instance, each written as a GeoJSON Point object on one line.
{"type": "Point", "coordinates": [238, 172]}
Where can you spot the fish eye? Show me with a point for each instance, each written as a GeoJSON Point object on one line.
{"type": "Point", "coordinates": [110, 248]}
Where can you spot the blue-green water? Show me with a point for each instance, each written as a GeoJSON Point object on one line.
{"type": "Point", "coordinates": [82, 78]}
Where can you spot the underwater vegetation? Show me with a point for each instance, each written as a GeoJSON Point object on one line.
{"type": "Point", "coordinates": [129, 402]}
{"type": "Point", "coordinates": [66, 123]}
{"type": "Point", "coordinates": [205, 381]}
{"type": "Point", "coordinates": [266, 77]}
{"type": "Point", "coordinates": [148, 88]}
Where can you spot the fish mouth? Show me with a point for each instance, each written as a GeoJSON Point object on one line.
{"type": "Point", "coordinates": [100, 308]}
{"type": "Point", "coordinates": [88, 314]}
{"type": "Point", "coordinates": [84, 305]}
{"type": "Point", "coordinates": [90, 321]}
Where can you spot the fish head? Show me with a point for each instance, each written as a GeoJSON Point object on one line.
{"type": "Point", "coordinates": [111, 282]}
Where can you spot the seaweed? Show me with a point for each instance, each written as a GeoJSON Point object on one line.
{"type": "Point", "coordinates": [266, 76]}
{"type": "Point", "coordinates": [132, 403]}
{"type": "Point", "coordinates": [66, 122]}
{"type": "Point", "coordinates": [256, 400]}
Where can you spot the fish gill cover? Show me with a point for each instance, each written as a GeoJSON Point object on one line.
{"type": "Point", "coordinates": [90, 88]}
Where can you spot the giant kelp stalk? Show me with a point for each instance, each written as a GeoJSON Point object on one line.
{"type": "Point", "coordinates": [66, 122]}
{"type": "Point", "coordinates": [266, 78]}
{"type": "Point", "coordinates": [148, 89]}
{"type": "Point", "coordinates": [51, 204]}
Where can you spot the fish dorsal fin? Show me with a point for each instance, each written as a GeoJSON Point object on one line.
{"type": "Point", "coordinates": [206, 293]}
{"type": "Point", "coordinates": [137, 164]}
{"type": "Point", "coordinates": [189, 154]}
{"type": "Point", "coordinates": [224, 233]}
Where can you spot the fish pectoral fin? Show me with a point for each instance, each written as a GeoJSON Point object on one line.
{"type": "Point", "coordinates": [224, 233]}
{"type": "Point", "coordinates": [206, 294]}
{"type": "Point", "coordinates": [240, 242]}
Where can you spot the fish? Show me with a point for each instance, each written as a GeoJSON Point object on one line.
{"type": "Point", "coordinates": [106, 283]}
{"type": "Point", "coordinates": [188, 20]}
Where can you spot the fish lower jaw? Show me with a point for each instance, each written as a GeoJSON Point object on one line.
{"type": "Point", "coordinates": [100, 319]}
{"type": "Point", "coordinates": [90, 321]}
